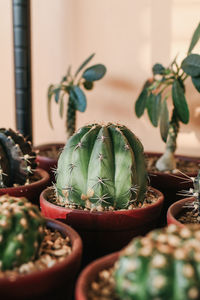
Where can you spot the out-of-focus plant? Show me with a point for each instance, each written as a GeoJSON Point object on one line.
{"type": "Point", "coordinates": [71, 87]}
{"type": "Point", "coordinates": [155, 94]}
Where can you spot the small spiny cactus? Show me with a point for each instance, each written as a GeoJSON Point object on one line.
{"type": "Point", "coordinates": [163, 265]}
{"type": "Point", "coordinates": [193, 192]}
{"type": "Point", "coordinates": [21, 231]}
{"type": "Point", "coordinates": [17, 160]}
{"type": "Point", "coordinates": [102, 167]}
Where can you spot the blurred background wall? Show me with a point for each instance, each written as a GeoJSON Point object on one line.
{"type": "Point", "coordinates": [128, 36]}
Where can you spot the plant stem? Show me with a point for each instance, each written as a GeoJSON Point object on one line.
{"type": "Point", "coordinates": [167, 161]}
{"type": "Point", "coordinates": [70, 118]}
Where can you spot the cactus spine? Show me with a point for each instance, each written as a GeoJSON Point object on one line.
{"type": "Point", "coordinates": [102, 166]}
{"type": "Point", "coordinates": [163, 265]}
{"type": "Point", "coordinates": [17, 160]}
{"type": "Point", "coordinates": [21, 231]}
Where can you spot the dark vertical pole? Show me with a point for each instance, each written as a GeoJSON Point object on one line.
{"type": "Point", "coordinates": [22, 65]}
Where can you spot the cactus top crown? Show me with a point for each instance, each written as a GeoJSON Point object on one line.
{"type": "Point", "coordinates": [163, 265]}
{"type": "Point", "coordinates": [102, 166]}
{"type": "Point", "coordinates": [21, 231]}
{"type": "Point", "coordinates": [17, 160]}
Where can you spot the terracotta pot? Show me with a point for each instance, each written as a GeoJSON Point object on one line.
{"type": "Point", "coordinates": [51, 282]}
{"type": "Point", "coordinates": [175, 209]}
{"type": "Point", "coordinates": [31, 191]}
{"type": "Point", "coordinates": [170, 184]}
{"type": "Point", "coordinates": [90, 273]}
{"type": "Point", "coordinates": [45, 162]}
{"type": "Point", "coordinates": [104, 232]}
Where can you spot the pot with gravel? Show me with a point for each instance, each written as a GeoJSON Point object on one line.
{"type": "Point", "coordinates": [38, 256]}
{"type": "Point", "coordinates": [19, 175]}
{"type": "Point", "coordinates": [187, 210]}
{"type": "Point", "coordinates": [162, 265]}
{"type": "Point", "coordinates": [101, 189]}
{"type": "Point", "coordinates": [47, 157]}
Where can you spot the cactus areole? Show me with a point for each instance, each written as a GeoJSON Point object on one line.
{"type": "Point", "coordinates": [21, 231]}
{"type": "Point", "coordinates": [163, 265]}
{"type": "Point", "coordinates": [102, 166]}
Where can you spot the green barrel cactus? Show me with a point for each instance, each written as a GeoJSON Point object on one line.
{"type": "Point", "coordinates": [163, 265]}
{"type": "Point", "coordinates": [102, 167]}
{"type": "Point", "coordinates": [17, 160]}
{"type": "Point", "coordinates": [21, 231]}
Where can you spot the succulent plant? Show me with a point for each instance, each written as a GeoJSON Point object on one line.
{"type": "Point", "coordinates": [21, 231]}
{"type": "Point", "coordinates": [17, 160]}
{"type": "Point", "coordinates": [72, 86]}
{"type": "Point", "coordinates": [102, 166]}
{"type": "Point", "coordinates": [193, 192]}
{"type": "Point", "coordinates": [163, 265]}
{"type": "Point", "coordinates": [155, 93]}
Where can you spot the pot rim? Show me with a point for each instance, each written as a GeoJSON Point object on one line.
{"type": "Point", "coordinates": [45, 177]}
{"type": "Point", "coordinates": [174, 209]}
{"type": "Point", "coordinates": [76, 251]}
{"type": "Point", "coordinates": [159, 202]}
{"type": "Point", "coordinates": [91, 270]}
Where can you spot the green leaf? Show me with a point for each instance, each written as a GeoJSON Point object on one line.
{"type": "Point", "coordinates": [196, 82]}
{"type": "Point", "coordinates": [158, 69]}
{"type": "Point", "coordinates": [79, 98]}
{"type": "Point", "coordinates": [88, 85]}
{"type": "Point", "coordinates": [164, 120]}
{"type": "Point", "coordinates": [191, 65]}
{"type": "Point", "coordinates": [195, 38]}
{"type": "Point", "coordinates": [140, 103]}
{"type": "Point", "coordinates": [61, 105]}
{"type": "Point", "coordinates": [153, 108]}
{"type": "Point", "coordinates": [95, 72]}
{"type": "Point", "coordinates": [49, 97]}
{"type": "Point", "coordinates": [84, 64]}
{"type": "Point", "coordinates": [180, 102]}
{"type": "Point", "coordinates": [63, 79]}
{"type": "Point", "coordinates": [57, 94]}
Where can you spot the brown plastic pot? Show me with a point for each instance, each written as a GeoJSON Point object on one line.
{"type": "Point", "coordinates": [48, 163]}
{"type": "Point", "coordinates": [31, 191]}
{"type": "Point", "coordinates": [104, 232]}
{"type": "Point", "coordinates": [90, 273]}
{"type": "Point", "coordinates": [52, 282]}
{"type": "Point", "coordinates": [175, 209]}
{"type": "Point", "coordinates": [170, 184]}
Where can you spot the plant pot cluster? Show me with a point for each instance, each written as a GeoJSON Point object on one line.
{"type": "Point", "coordinates": [103, 229]}
{"type": "Point", "coordinates": [103, 190]}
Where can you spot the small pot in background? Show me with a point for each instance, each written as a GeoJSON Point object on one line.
{"type": "Point", "coordinates": [47, 157]}
{"type": "Point", "coordinates": [170, 184]}
{"type": "Point", "coordinates": [175, 210]}
{"type": "Point", "coordinates": [31, 191]}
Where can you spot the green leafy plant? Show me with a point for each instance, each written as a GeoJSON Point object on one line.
{"type": "Point", "coordinates": [165, 264]}
{"type": "Point", "coordinates": [21, 231]}
{"type": "Point", "coordinates": [72, 87]}
{"type": "Point", "coordinates": [155, 94]}
{"type": "Point", "coordinates": [102, 167]}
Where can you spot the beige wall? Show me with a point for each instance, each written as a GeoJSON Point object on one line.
{"type": "Point", "coordinates": [128, 36]}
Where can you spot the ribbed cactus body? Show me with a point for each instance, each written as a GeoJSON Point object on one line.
{"type": "Point", "coordinates": [17, 160]}
{"type": "Point", "coordinates": [103, 166]}
{"type": "Point", "coordinates": [21, 231]}
{"type": "Point", "coordinates": [163, 265]}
